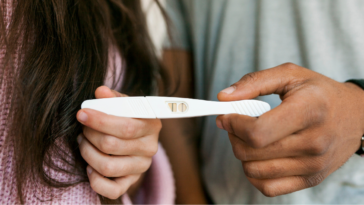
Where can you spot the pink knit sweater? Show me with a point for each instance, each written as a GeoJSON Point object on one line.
{"type": "Point", "coordinates": [157, 188]}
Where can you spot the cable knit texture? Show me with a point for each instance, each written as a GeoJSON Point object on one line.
{"type": "Point", "coordinates": [158, 187]}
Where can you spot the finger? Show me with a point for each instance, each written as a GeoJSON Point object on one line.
{"type": "Point", "coordinates": [121, 127]}
{"type": "Point", "coordinates": [292, 146]}
{"type": "Point", "coordinates": [283, 167]}
{"type": "Point", "coordinates": [296, 145]}
{"type": "Point", "coordinates": [285, 185]}
{"type": "Point", "coordinates": [110, 188]}
{"type": "Point", "coordinates": [144, 146]}
{"type": "Point", "coordinates": [288, 118]}
{"type": "Point", "coordinates": [277, 80]}
{"type": "Point", "coordinates": [112, 166]}
{"type": "Point", "coordinates": [105, 92]}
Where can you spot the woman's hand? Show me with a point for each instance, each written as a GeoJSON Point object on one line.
{"type": "Point", "coordinates": [298, 144]}
{"type": "Point", "coordinates": [118, 150]}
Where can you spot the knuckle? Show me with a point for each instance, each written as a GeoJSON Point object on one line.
{"type": "Point", "coordinates": [120, 191]}
{"type": "Point", "coordinates": [84, 151]}
{"type": "Point", "coordinates": [258, 143]}
{"type": "Point", "coordinates": [251, 170]}
{"type": "Point", "coordinates": [255, 138]}
{"type": "Point", "coordinates": [250, 77]}
{"type": "Point", "coordinates": [290, 66]}
{"type": "Point", "coordinates": [314, 113]}
{"type": "Point", "coordinates": [94, 184]}
{"type": "Point", "coordinates": [251, 133]}
{"type": "Point", "coordinates": [313, 180]}
{"type": "Point", "coordinates": [130, 130]}
{"type": "Point", "coordinates": [152, 150]}
{"type": "Point", "coordinates": [317, 116]}
{"type": "Point", "coordinates": [317, 167]}
{"type": "Point", "coordinates": [227, 122]}
{"type": "Point", "coordinates": [115, 194]}
{"type": "Point", "coordinates": [239, 152]}
{"type": "Point", "coordinates": [158, 125]}
{"type": "Point", "coordinates": [100, 122]}
{"type": "Point", "coordinates": [107, 169]}
{"type": "Point", "coordinates": [274, 170]}
{"type": "Point", "coordinates": [108, 144]}
{"type": "Point", "coordinates": [317, 147]}
{"type": "Point", "coordinates": [242, 152]}
{"type": "Point", "coordinates": [268, 190]}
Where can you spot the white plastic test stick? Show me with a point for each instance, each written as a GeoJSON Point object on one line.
{"type": "Point", "coordinates": [171, 107]}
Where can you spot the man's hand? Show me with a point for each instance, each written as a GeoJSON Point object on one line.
{"type": "Point", "coordinates": [115, 147]}
{"type": "Point", "coordinates": [298, 144]}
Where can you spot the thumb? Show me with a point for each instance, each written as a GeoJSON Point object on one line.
{"type": "Point", "coordinates": [105, 92]}
{"type": "Point", "coordinates": [271, 81]}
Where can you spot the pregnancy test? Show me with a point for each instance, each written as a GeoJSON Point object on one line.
{"type": "Point", "coordinates": [170, 107]}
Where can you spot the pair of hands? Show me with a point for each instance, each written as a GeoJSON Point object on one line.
{"type": "Point", "coordinates": [296, 145]}
{"type": "Point", "coordinates": [118, 150]}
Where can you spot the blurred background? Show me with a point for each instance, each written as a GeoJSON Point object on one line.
{"type": "Point", "coordinates": [156, 24]}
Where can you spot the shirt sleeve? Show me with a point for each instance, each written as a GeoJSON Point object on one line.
{"type": "Point", "coordinates": [180, 35]}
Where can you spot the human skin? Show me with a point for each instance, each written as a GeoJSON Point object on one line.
{"type": "Point", "coordinates": [118, 150]}
{"type": "Point", "coordinates": [296, 145]}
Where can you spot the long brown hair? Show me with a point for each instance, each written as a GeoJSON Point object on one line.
{"type": "Point", "coordinates": [63, 48]}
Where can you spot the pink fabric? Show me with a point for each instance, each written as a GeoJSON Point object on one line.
{"type": "Point", "coordinates": [158, 187]}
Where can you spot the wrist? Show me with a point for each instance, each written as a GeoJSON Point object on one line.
{"type": "Point", "coordinates": [357, 86]}
{"type": "Point", "coordinates": [357, 91]}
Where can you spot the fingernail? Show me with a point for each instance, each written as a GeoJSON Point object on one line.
{"type": "Point", "coordinates": [79, 139]}
{"type": "Point", "coordinates": [89, 170]}
{"type": "Point", "coordinates": [219, 124]}
{"type": "Point", "coordinates": [229, 90]}
{"type": "Point", "coordinates": [82, 116]}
